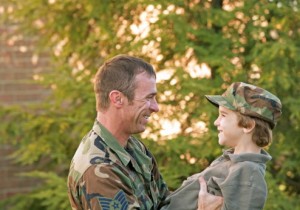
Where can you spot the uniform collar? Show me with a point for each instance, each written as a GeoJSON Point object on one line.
{"type": "Point", "coordinates": [263, 157]}
{"type": "Point", "coordinates": [140, 161]}
{"type": "Point", "coordinates": [111, 142]}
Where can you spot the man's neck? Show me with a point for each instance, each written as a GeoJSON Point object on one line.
{"type": "Point", "coordinates": [113, 126]}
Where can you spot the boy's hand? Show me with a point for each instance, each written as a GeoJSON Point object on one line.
{"type": "Point", "coordinates": [208, 201]}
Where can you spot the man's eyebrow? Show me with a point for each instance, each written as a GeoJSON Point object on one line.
{"type": "Point", "coordinates": [152, 94]}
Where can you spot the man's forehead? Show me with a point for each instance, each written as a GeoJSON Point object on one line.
{"type": "Point", "coordinates": [145, 88]}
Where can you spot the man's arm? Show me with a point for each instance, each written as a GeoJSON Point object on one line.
{"type": "Point", "coordinates": [208, 201]}
{"type": "Point", "coordinates": [101, 188]}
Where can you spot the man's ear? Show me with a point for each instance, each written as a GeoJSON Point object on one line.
{"type": "Point", "coordinates": [250, 126]}
{"type": "Point", "coordinates": [116, 98]}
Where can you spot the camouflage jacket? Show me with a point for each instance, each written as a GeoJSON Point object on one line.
{"type": "Point", "coordinates": [104, 175]}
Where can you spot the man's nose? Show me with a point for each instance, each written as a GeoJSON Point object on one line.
{"type": "Point", "coordinates": [154, 106]}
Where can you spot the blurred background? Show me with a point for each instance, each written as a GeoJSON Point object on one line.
{"type": "Point", "coordinates": [51, 49]}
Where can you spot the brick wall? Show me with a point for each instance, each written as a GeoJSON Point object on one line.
{"type": "Point", "coordinates": [19, 65]}
{"type": "Point", "coordinates": [11, 182]}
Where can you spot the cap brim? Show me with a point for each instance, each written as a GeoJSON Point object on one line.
{"type": "Point", "coordinates": [214, 99]}
{"type": "Point", "coordinates": [218, 100]}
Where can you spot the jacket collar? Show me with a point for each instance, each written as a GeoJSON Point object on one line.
{"type": "Point", "coordinates": [263, 157]}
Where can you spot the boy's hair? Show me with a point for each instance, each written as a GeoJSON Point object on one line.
{"type": "Point", "coordinates": [262, 133]}
{"type": "Point", "coordinates": [119, 73]}
{"type": "Point", "coordinates": [251, 101]}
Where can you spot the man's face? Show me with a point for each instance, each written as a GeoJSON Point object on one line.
{"type": "Point", "coordinates": [138, 111]}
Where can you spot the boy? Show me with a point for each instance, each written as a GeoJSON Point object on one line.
{"type": "Point", "coordinates": [247, 115]}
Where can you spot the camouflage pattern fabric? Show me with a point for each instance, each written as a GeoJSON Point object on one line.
{"type": "Point", "coordinates": [104, 175]}
{"type": "Point", "coordinates": [249, 100]}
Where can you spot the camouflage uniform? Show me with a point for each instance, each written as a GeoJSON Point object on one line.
{"type": "Point", "coordinates": [104, 175]}
{"type": "Point", "coordinates": [239, 178]}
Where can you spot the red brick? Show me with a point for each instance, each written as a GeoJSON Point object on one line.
{"type": "Point", "coordinates": [16, 74]}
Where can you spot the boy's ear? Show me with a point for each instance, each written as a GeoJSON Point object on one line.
{"type": "Point", "coordinates": [250, 126]}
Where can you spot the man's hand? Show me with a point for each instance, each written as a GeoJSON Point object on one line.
{"type": "Point", "coordinates": [208, 201]}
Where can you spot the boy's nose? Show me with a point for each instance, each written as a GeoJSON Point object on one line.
{"type": "Point", "coordinates": [216, 123]}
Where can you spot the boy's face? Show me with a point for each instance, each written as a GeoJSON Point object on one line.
{"type": "Point", "coordinates": [227, 124]}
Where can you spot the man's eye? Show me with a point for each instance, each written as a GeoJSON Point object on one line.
{"type": "Point", "coordinates": [149, 98]}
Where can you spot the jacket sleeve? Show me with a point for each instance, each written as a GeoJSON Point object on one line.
{"type": "Point", "coordinates": [184, 198]}
{"type": "Point", "coordinates": [244, 188]}
{"type": "Point", "coordinates": [101, 187]}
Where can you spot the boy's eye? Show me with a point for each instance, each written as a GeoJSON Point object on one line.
{"type": "Point", "coordinates": [222, 114]}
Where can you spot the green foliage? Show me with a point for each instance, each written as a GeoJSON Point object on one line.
{"type": "Point", "coordinates": [250, 41]}
{"type": "Point", "coordinates": [52, 195]}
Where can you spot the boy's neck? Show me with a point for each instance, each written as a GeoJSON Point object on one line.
{"type": "Point", "coordinates": [241, 151]}
{"type": "Point", "coordinates": [250, 148]}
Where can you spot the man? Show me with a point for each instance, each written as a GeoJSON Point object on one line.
{"type": "Point", "coordinates": [111, 169]}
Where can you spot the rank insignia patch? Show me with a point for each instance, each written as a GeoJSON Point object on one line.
{"type": "Point", "coordinates": [119, 202]}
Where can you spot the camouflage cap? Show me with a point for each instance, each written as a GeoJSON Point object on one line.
{"type": "Point", "coordinates": [249, 100]}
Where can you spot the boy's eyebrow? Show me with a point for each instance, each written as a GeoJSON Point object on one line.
{"type": "Point", "coordinates": [223, 112]}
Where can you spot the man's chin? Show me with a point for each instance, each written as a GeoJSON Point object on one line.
{"type": "Point", "coordinates": [139, 130]}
